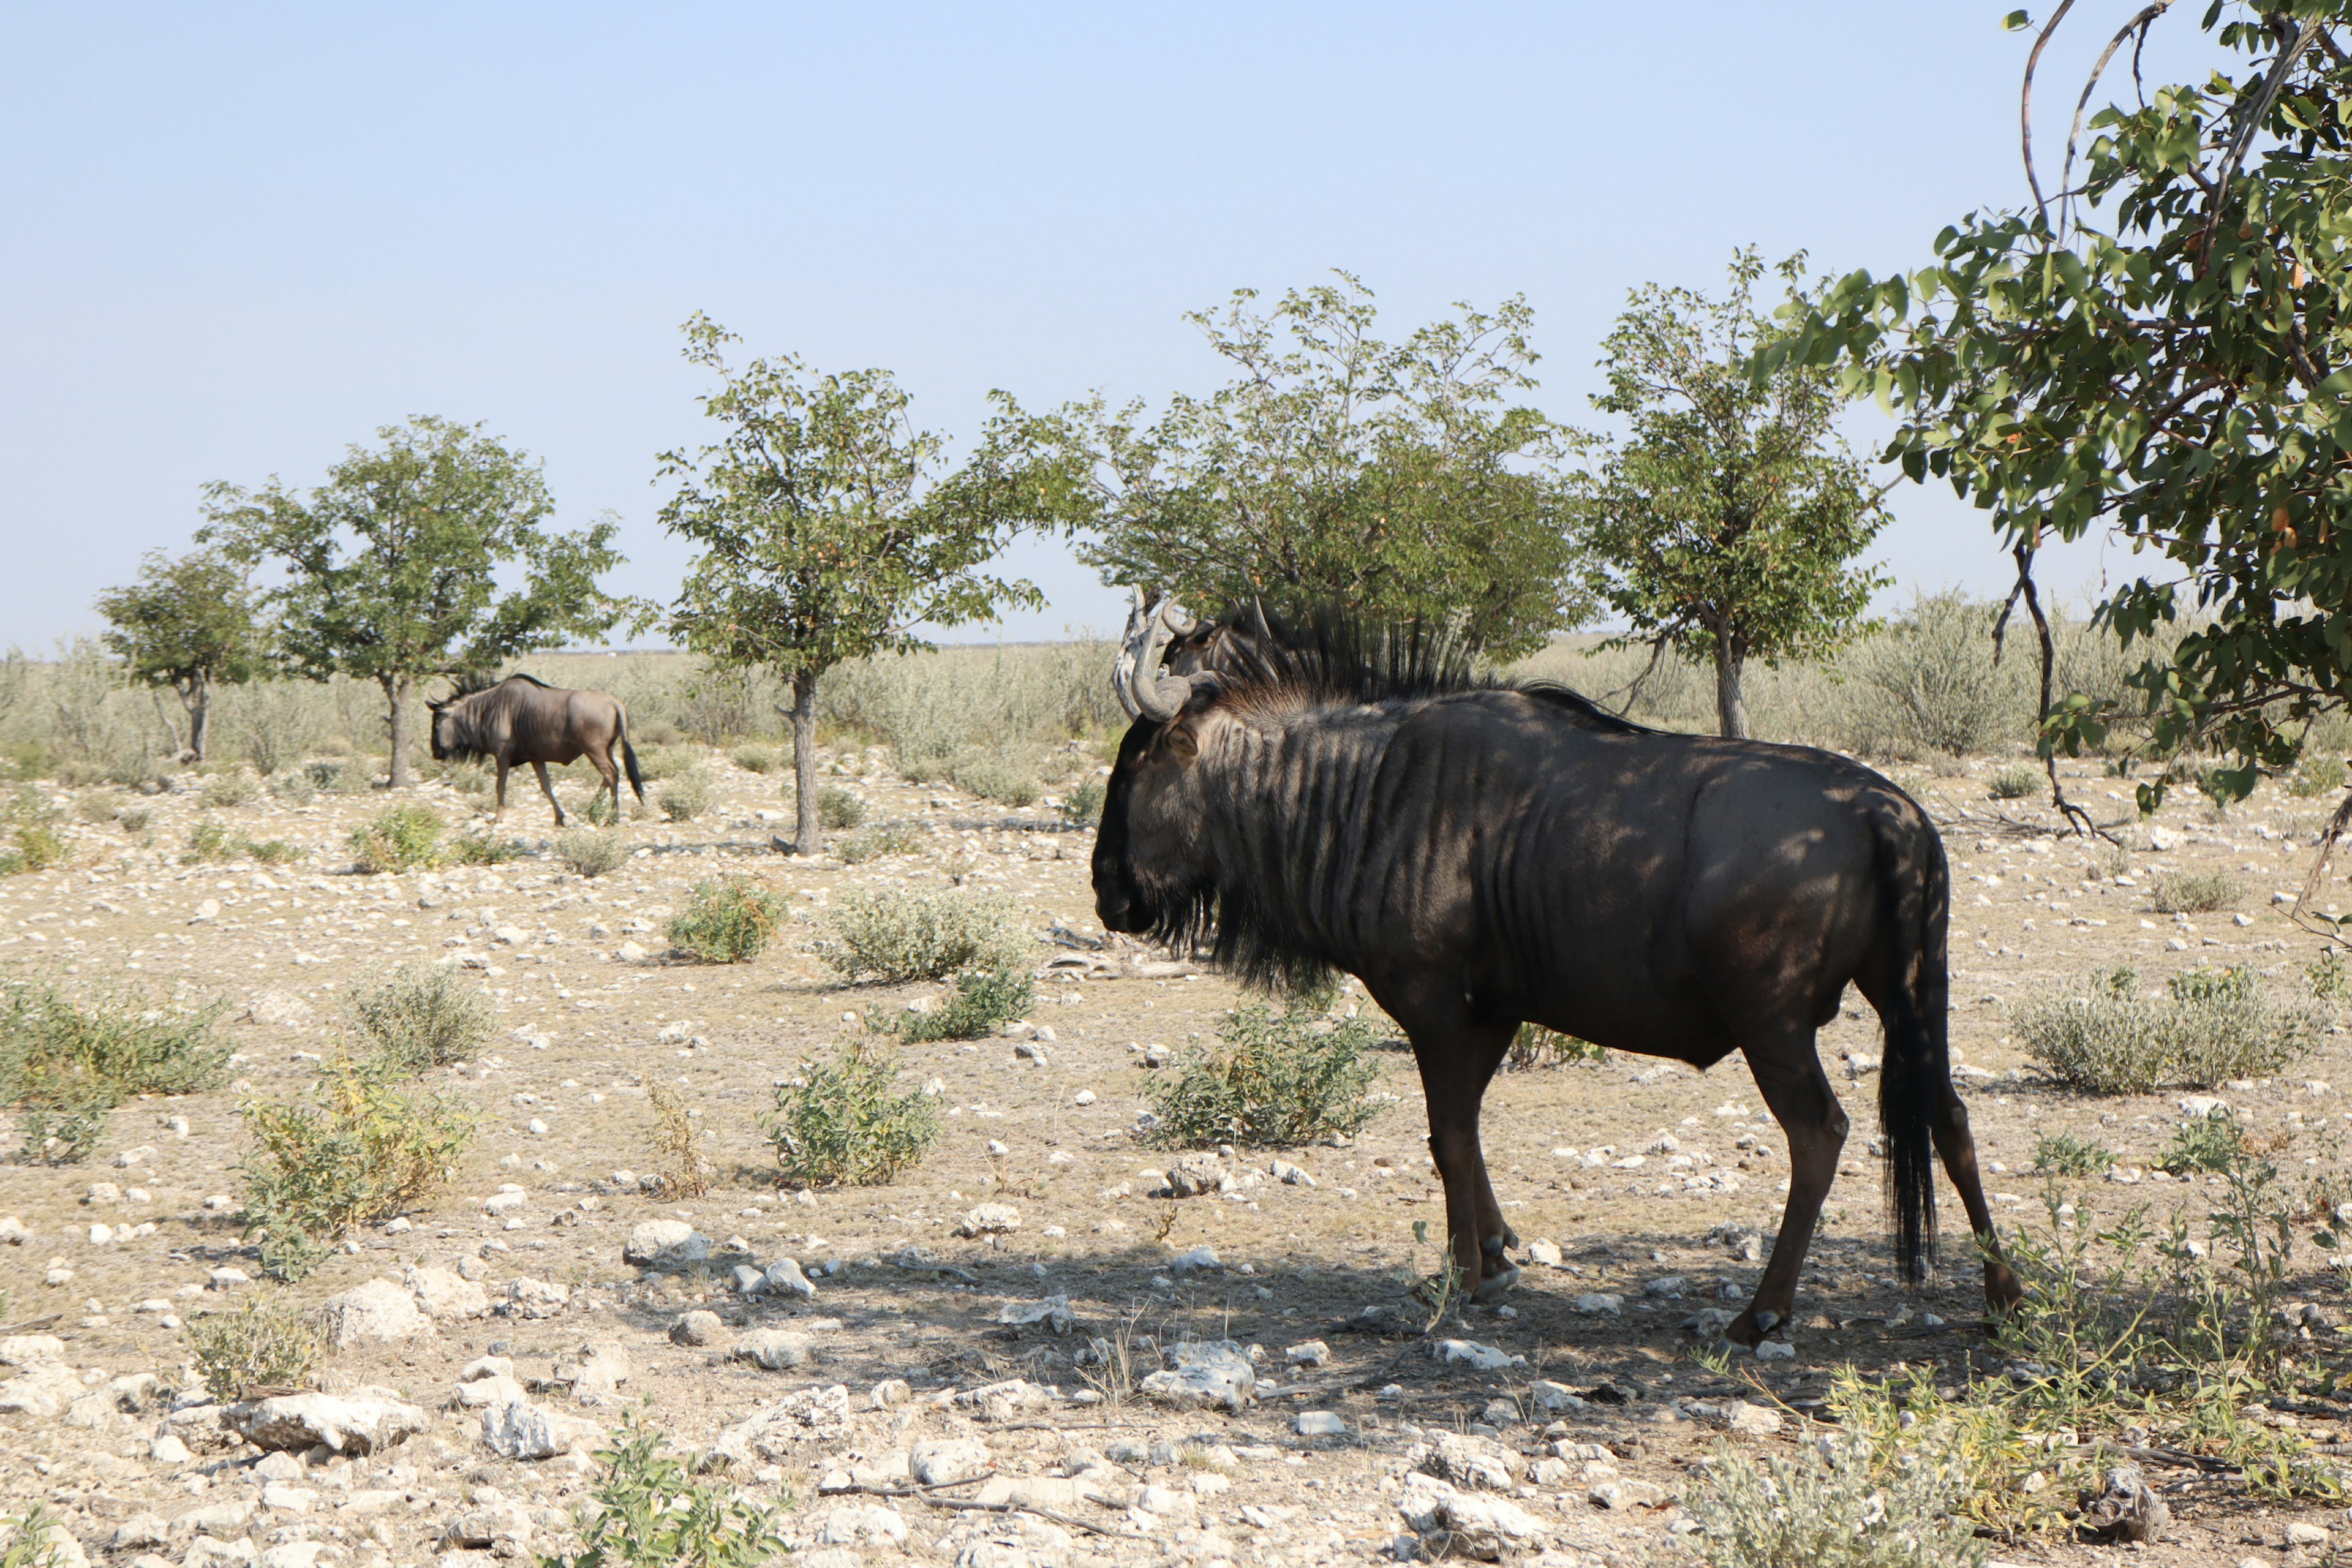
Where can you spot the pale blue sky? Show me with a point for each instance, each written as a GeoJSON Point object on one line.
{"type": "Point", "coordinates": [238, 237]}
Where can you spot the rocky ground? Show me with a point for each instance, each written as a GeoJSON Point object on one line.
{"type": "Point", "coordinates": [911, 1372]}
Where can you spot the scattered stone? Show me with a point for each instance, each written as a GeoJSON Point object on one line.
{"type": "Point", "coordinates": [1547, 1253]}
{"type": "Point", "coordinates": [1669, 1287]}
{"type": "Point", "coordinates": [1290, 1176]}
{"type": "Point", "coordinates": [279, 1009]}
{"type": "Point", "coordinates": [701, 1327]}
{"type": "Point", "coordinates": [2303, 1533]}
{"type": "Point", "coordinates": [501, 1526]}
{"type": "Point", "coordinates": [773, 1432]}
{"type": "Point", "coordinates": [2126, 1509]}
{"type": "Point", "coordinates": [378, 1311]}
{"type": "Point", "coordinates": [946, 1462]}
{"type": "Point", "coordinates": [1614, 1492]}
{"type": "Point", "coordinates": [668, 1246]}
{"type": "Point", "coordinates": [1775, 1350]}
{"type": "Point", "coordinates": [13, 1232]}
{"type": "Point", "coordinates": [862, 1524]}
{"type": "Point", "coordinates": [527, 1298]}
{"type": "Point", "coordinates": [347, 1424]}
{"type": "Point", "coordinates": [1198, 1175]}
{"type": "Point", "coordinates": [784, 1278]}
{"type": "Point", "coordinates": [778, 1349]}
{"type": "Point", "coordinates": [443, 1295]}
{"type": "Point", "coordinates": [1318, 1424]}
{"type": "Point", "coordinates": [889, 1393]}
{"type": "Point", "coordinates": [1307, 1352]}
{"type": "Point", "coordinates": [1600, 1304]}
{"type": "Point", "coordinates": [1003, 1400]}
{"type": "Point", "coordinates": [1205, 1373]}
{"type": "Point", "coordinates": [1470, 1352]}
{"type": "Point", "coordinates": [1199, 1257]}
{"type": "Point", "coordinates": [1755, 1420]}
{"type": "Point", "coordinates": [519, 1429]}
{"type": "Point", "coordinates": [1550, 1396]}
{"type": "Point", "coordinates": [1472, 1462]}
{"type": "Point", "coordinates": [1054, 1312]}
{"type": "Point", "coordinates": [990, 1219]}
{"type": "Point", "coordinates": [1490, 1529]}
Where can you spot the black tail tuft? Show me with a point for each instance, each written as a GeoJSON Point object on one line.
{"type": "Point", "coordinates": [629, 760]}
{"type": "Point", "coordinates": [1915, 1074]}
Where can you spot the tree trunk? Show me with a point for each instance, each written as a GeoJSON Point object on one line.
{"type": "Point", "coordinates": [398, 690]}
{"type": "Point", "coordinates": [1730, 701]}
{"type": "Point", "coordinates": [198, 697]}
{"type": "Point", "coordinates": [809, 836]}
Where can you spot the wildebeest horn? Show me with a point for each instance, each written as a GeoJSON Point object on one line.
{"type": "Point", "coordinates": [1142, 690]}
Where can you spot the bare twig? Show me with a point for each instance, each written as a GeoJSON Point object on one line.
{"type": "Point", "coordinates": [2311, 884]}
{"type": "Point", "coordinates": [2025, 105]}
{"type": "Point", "coordinates": [2074, 131]}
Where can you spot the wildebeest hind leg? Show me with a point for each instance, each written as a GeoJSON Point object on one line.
{"type": "Point", "coordinates": [612, 777]}
{"type": "Point", "coordinates": [1789, 1074]}
{"type": "Point", "coordinates": [548, 790]}
{"type": "Point", "coordinates": [1456, 1060]}
{"type": "Point", "coordinates": [499, 815]}
{"type": "Point", "coordinates": [1958, 1153]}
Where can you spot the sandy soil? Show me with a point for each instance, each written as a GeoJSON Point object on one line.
{"type": "Point", "coordinates": [899, 1296]}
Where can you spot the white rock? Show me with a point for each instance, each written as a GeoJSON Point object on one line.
{"type": "Point", "coordinates": [443, 1294]}
{"type": "Point", "coordinates": [1290, 1176]}
{"type": "Point", "coordinates": [1756, 1420]}
{"type": "Point", "coordinates": [1318, 1424]}
{"type": "Point", "coordinates": [1201, 1257]}
{"type": "Point", "coordinates": [522, 1430]}
{"type": "Point", "coordinates": [13, 1232]}
{"type": "Point", "coordinates": [1307, 1352]}
{"type": "Point", "coordinates": [355, 1424]}
{"type": "Point", "coordinates": [630, 953]}
{"type": "Point", "coordinates": [862, 1524]}
{"type": "Point", "coordinates": [669, 1245]}
{"type": "Point", "coordinates": [990, 1219]}
{"type": "Point", "coordinates": [1490, 1528]}
{"type": "Point", "coordinates": [947, 1461]}
{"type": "Point", "coordinates": [784, 1278]}
{"type": "Point", "coordinates": [529, 1298]}
{"type": "Point", "coordinates": [378, 1311]}
{"type": "Point", "coordinates": [2202, 1106]}
{"type": "Point", "coordinates": [168, 1450]}
{"type": "Point", "coordinates": [1669, 1287]}
{"type": "Point", "coordinates": [1054, 1312]}
{"type": "Point", "coordinates": [280, 1008]}
{"type": "Point", "coordinates": [1470, 1352]}
{"type": "Point", "coordinates": [1600, 1304]}
{"type": "Point", "coordinates": [1547, 1253]}
{"type": "Point", "coordinates": [1775, 1350]}
{"type": "Point", "coordinates": [1472, 1462]}
{"type": "Point", "coordinates": [1205, 1373]}
{"type": "Point", "coordinates": [778, 1349]}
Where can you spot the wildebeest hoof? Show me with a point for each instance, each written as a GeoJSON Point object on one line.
{"type": "Point", "coordinates": [1491, 1287]}
{"type": "Point", "coordinates": [1749, 1329]}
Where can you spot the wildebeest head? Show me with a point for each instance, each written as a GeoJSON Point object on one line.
{"type": "Point", "coordinates": [1151, 872]}
{"type": "Point", "coordinates": [453, 738]}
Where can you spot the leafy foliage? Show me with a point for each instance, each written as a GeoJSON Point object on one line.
{"type": "Point", "coordinates": [838, 809]}
{"type": "Point", "coordinates": [728, 921]}
{"type": "Point", "coordinates": [1833, 1509]}
{"type": "Point", "coordinates": [1334, 468]}
{"type": "Point", "coordinates": [651, 1512]}
{"type": "Point", "coordinates": [2177, 375]}
{"type": "Point", "coordinates": [982, 1004]}
{"type": "Point", "coordinates": [2064, 1154]}
{"type": "Point", "coordinates": [913, 935]}
{"type": "Point", "coordinates": [997, 778]}
{"type": "Point", "coordinates": [2205, 1144]}
{"type": "Point", "coordinates": [2196, 892]}
{"type": "Point", "coordinates": [1281, 1081]}
{"type": "Point", "coordinates": [392, 565]}
{"type": "Point", "coordinates": [686, 796]}
{"type": "Point", "coordinates": [34, 1540]}
{"type": "Point", "coordinates": [421, 1015]}
{"type": "Point", "coordinates": [845, 1123]}
{"type": "Point", "coordinates": [2215, 1024]}
{"type": "Point", "coordinates": [362, 1148]}
{"type": "Point", "coordinates": [1084, 800]}
{"type": "Point", "coordinates": [1722, 523]}
{"type": "Point", "coordinates": [29, 840]}
{"type": "Point", "coordinates": [66, 1061]}
{"type": "Point", "coordinates": [1537, 1047]}
{"type": "Point", "coordinates": [402, 838]}
{"type": "Point", "coordinates": [2013, 783]}
{"type": "Point", "coordinates": [679, 1142]}
{"type": "Point", "coordinates": [590, 853]}
{"type": "Point", "coordinates": [189, 625]}
{"type": "Point", "coordinates": [263, 1344]}
{"type": "Point", "coordinates": [893, 839]}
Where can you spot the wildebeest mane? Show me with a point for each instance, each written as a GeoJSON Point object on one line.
{"type": "Point", "coordinates": [473, 701]}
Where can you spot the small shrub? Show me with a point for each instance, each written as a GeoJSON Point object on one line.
{"type": "Point", "coordinates": [681, 1165]}
{"type": "Point", "coordinates": [2196, 892]}
{"type": "Point", "coordinates": [2208, 1144]}
{"type": "Point", "coordinates": [901, 936]}
{"type": "Point", "coordinates": [29, 840]}
{"type": "Point", "coordinates": [209, 840]}
{"type": "Point", "coordinates": [994, 778]}
{"type": "Point", "coordinates": [755, 759]}
{"type": "Point", "coordinates": [844, 1123]}
{"type": "Point", "coordinates": [2013, 783]}
{"type": "Point", "coordinates": [405, 838]}
{"type": "Point", "coordinates": [271, 851]}
{"type": "Point", "coordinates": [98, 809]}
{"type": "Point", "coordinates": [1281, 1081]}
{"type": "Point", "coordinates": [224, 791]}
{"type": "Point", "coordinates": [895, 838]}
{"type": "Point", "coordinates": [599, 811]}
{"type": "Point", "coordinates": [982, 1004]}
{"type": "Point", "coordinates": [590, 853]}
{"type": "Point", "coordinates": [1084, 803]}
{"type": "Point", "coordinates": [420, 1015]}
{"type": "Point", "coordinates": [470, 778]}
{"type": "Point", "coordinates": [294, 788]}
{"type": "Point", "coordinates": [134, 818]}
{"type": "Point", "coordinates": [2329, 979]}
{"type": "Point", "coordinates": [2064, 1154]}
{"type": "Point", "coordinates": [2316, 776]}
{"type": "Point", "coordinates": [65, 1063]}
{"type": "Point", "coordinates": [346, 776]}
{"type": "Point", "coordinates": [2114, 1040]}
{"type": "Point", "coordinates": [651, 1512]}
{"type": "Point", "coordinates": [686, 796]}
{"type": "Point", "coordinates": [837, 810]}
{"type": "Point", "coordinates": [1833, 1510]}
{"type": "Point", "coordinates": [728, 921]}
{"type": "Point", "coordinates": [1537, 1047]}
{"type": "Point", "coordinates": [265, 1344]}
{"type": "Point", "coordinates": [479, 849]}
{"type": "Point", "coordinates": [655, 764]}
{"type": "Point", "coordinates": [361, 1149]}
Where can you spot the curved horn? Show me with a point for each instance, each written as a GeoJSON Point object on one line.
{"type": "Point", "coordinates": [1142, 690]}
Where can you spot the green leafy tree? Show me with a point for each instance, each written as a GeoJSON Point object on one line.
{"type": "Point", "coordinates": [1723, 523]}
{"type": "Point", "coordinates": [391, 566]}
{"type": "Point", "coordinates": [187, 623]}
{"type": "Point", "coordinates": [2162, 349]}
{"type": "Point", "coordinates": [1393, 480]}
{"type": "Point", "coordinates": [830, 528]}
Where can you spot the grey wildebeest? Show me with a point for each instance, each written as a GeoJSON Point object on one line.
{"type": "Point", "coordinates": [1481, 853]}
{"type": "Point", "coordinates": [524, 720]}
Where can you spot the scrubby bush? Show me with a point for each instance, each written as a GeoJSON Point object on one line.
{"type": "Point", "coordinates": [2315, 776]}
{"type": "Point", "coordinates": [2214, 1025]}
{"type": "Point", "coordinates": [755, 759]}
{"type": "Point", "coordinates": [1537, 1047]}
{"type": "Point", "coordinates": [2329, 977]}
{"type": "Point", "coordinates": [982, 1004]}
{"type": "Point", "coordinates": [686, 796]}
{"type": "Point", "coordinates": [421, 1015]}
{"type": "Point", "coordinates": [362, 1148]}
{"type": "Point", "coordinates": [2064, 1154]}
{"type": "Point", "coordinates": [681, 1163]}
{"type": "Point", "coordinates": [1830, 1507]}
{"type": "Point", "coordinates": [479, 849]}
{"type": "Point", "coordinates": [405, 838]}
{"type": "Point", "coordinates": [132, 818]}
{"type": "Point", "coordinates": [344, 776]}
{"type": "Point", "coordinates": [1283, 1080]}
{"type": "Point", "coordinates": [894, 838]}
{"type": "Point", "coordinates": [2205, 1144]}
{"type": "Point", "coordinates": [590, 853]}
{"type": "Point", "coordinates": [845, 1123]}
{"type": "Point", "coordinates": [263, 1344]}
{"type": "Point", "coordinates": [994, 778]}
{"type": "Point", "coordinates": [66, 1062]}
{"type": "Point", "coordinates": [837, 810]}
{"type": "Point", "coordinates": [2013, 783]}
{"type": "Point", "coordinates": [209, 840]}
{"type": "Point", "coordinates": [1934, 678]}
{"type": "Point", "coordinates": [728, 921]}
{"type": "Point", "coordinates": [223, 791]}
{"type": "Point", "coordinates": [651, 1512]}
{"type": "Point", "coordinates": [1084, 802]}
{"type": "Point", "coordinates": [2196, 892]}
{"type": "Point", "coordinates": [294, 788]}
{"type": "Point", "coordinates": [901, 936]}
{"type": "Point", "coordinates": [29, 840]}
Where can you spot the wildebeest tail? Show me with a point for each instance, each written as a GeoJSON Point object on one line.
{"type": "Point", "coordinates": [1915, 1074]}
{"type": "Point", "coordinates": [629, 758]}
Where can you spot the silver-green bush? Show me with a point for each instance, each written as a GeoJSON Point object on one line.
{"type": "Point", "coordinates": [419, 1015]}
{"type": "Point", "coordinates": [1837, 1510]}
{"type": "Point", "coordinates": [2212, 1026]}
{"type": "Point", "coordinates": [589, 853]}
{"type": "Point", "coordinates": [897, 936]}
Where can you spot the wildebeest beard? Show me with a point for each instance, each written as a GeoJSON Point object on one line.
{"type": "Point", "coordinates": [1238, 932]}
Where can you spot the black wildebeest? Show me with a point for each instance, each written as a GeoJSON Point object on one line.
{"type": "Point", "coordinates": [524, 720]}
{"type": "Point", "coordinates": [1482, 854]}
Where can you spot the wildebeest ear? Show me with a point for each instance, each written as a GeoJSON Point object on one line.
{"type": "Point", "coordinates": [1181, 743]}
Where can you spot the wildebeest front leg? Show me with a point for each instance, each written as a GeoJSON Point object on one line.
{"type": "Point", "coordinates": [548, 790]}
{"type": "Point", "coordinates": [1958, 1153]}
{"type": "Point", "coordinates": [1455, 1064]}
{"type": "Point", "coordinates": [499, 815]}
{"type": "Point", "coordinates": [1789, 1074]}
